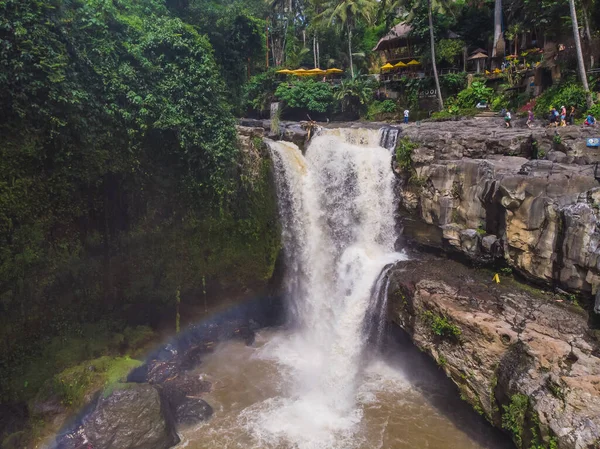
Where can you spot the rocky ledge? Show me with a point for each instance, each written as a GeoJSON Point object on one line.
{"type": "Point", "coordinates": [164, 394]}
{"type": "Point", "coordinates": [475, 188]}
{"type": "Point", "coordinates": [525, 360]}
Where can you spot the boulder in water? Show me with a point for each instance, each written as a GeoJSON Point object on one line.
{"type": "Point", "coordinates": [131, 417]}
{"type": "Point", "coordinates": [192, 410]}
{"type": "Point", "coordinates": [182, 396]}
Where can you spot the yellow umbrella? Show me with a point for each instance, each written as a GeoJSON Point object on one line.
{"type": "Point", "coordinates": [315, 71]}
{"type": "Point", "coordinates": [300, 72]}
{"type": "Point", "coordinates": [332, 71]}
{"type": "Point", "coordinates": [285, 71]}
{"type": "Point", "coordinates": [413, 62]}
{"type": "Point", "coordinates": [387, 66]}
{"type": "Point", "coordinates": [400, 65]}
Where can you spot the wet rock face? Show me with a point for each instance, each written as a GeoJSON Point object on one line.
{"type": "Point", "coordinates": [502, 346]}
{"type": "Point", "coordinates": [130, 418]}
{"type": "Point", "coordinates": [491, 202]}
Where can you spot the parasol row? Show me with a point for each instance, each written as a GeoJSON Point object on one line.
{"type": "Point", "coordinates": [310, 72]}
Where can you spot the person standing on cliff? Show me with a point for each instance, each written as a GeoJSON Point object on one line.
{"type": "Point", "coordinates": [406, 112]}
{"type": "Point", "coordinates": [507, 119]}
{"type": "Point", "coordinates": [572, 116]}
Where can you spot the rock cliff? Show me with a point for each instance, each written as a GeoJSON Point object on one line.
{"type": "Point", "coordinates": [528, 197]}
{"type": "Point", "coordinates": [527, 361]}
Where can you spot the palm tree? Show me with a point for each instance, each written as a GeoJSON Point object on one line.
{"type": "Point", "coordinates": [580, 63]}
{"type": "Point", "coordinates": [346, 12]}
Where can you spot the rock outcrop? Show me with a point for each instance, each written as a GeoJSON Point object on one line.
{"type": "Point", "coordinates": [524, 360]}
{"type": "Point", "coordinates": [473, 189]}
{"type": "Point", "coordinates": [131, 417]}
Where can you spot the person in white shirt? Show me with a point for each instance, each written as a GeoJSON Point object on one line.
{"type": "Point", "coordinates": [507, 119]}
{"type": "Point", "coordinates": [406, 112]}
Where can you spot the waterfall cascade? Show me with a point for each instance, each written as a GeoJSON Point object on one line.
{"type": "Point", "coordinates": [337, 210]}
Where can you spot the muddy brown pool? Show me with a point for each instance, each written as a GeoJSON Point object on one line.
{"type": "Point", "coordinates": [403, 401]}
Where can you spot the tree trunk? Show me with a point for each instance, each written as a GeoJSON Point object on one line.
{"type": "Point", "coordinates": [318, 54]}
{"type": "Point", "coordinates": [497, 27]}
{"type": "Point", "coordinates": [350, 50]}
{"type": "Point", "coordinates": [586, 22]}
{"type": "Point", "coordinates": [582, 74]}
{"type": "Point", "coordinates": [433, 63]}
{"type": "Point", "coordinates": [315, 50]}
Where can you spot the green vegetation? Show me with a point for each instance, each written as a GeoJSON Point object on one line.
{"type": "Point", "coordinates": [478, 92]}
{"type": "Point", "coordinates": [380, 109]}
{"type": "Point", "coordinates": [567, 94]}
{"type": "Point", "coordinates": [307, 94]}
{"type": "Point", "coordinates": [514, 415]}
{"type": "Point", "coordinates": [441, 326]}
{"type": "Point", "coordinates": [120, 179]}
{"type": "Point", "coordinates": [404, 150]}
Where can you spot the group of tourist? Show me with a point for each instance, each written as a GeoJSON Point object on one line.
{"type": "Point", "coordinates": [555, 118]}
{"type": "Point", "coordinates": [561, 118]}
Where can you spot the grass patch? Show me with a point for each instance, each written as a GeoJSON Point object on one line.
{"type": "Point", "coordinates": [441, 326]}
{"type": "Point", "coordinates": [73, 384]}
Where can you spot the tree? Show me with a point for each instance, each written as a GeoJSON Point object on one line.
{"type": "Point", "coordinates": [497, 29]}
{"type": "Point", "coordinates": [580, 62]}
{"type": "Point", "coordinates": [347, 13]}
{"type": "Point", "coordinates": [433, 63]}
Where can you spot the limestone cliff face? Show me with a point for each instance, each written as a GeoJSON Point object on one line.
{"type": "Point", "coordinates": [523, 360]}
{"type": "Point", "coordinates": [473, 189]}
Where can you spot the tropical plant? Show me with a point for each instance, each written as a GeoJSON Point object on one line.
{"type": "Point", "coordinates": [346, 13]}
{"type": "Point", "coordinates": [469, 97]}
{"type": "Point", "coordinates": [354, 93]}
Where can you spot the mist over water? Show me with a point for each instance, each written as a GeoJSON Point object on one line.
{"type": "Point", "coordinates": [316, 385]}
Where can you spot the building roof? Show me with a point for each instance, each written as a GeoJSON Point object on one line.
{"type": "Point", "coordinates": [400, 32]}
{"type": "Point", "coordinates": [397, 33]}
{"type": "Point", "coordinates": [477, 56]}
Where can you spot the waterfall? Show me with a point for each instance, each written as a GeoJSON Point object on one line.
{"type": "Point", "coordinates": [337, 211]}
{"type": "Point", "coordinates": [388, 137]}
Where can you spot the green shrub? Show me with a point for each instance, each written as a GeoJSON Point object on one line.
{"type": "Point", "coordinates": [469, 97]}
{"type": "Point", "coordinates": [513, 417]}
{"type": "Point", "coordinates": [306, 94]}
{"type": "Point", "coordinates": [259, 91]}
{"type": "Point", "coordinates": [388, 106]}
{"type": "Point", "coordinates": [453, 82]}
{"type": "Point", "coordinates": [570, 94]}
{"type": "Point", "coordinates": [441, 326]}
{"type": "Point", "coordinates": [404, 150]}
{"type": "Point", "coordinates": [594, 110]}
{"type": "Point", "coordinates": [377, 108]}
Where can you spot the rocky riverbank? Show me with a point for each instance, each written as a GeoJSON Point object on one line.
{"type": "Point", "coordinates": [475, 188]}
{"type": "Point", "coordinates": [524, 359]}
{"type": "Point", "coordinates": [163, 395]}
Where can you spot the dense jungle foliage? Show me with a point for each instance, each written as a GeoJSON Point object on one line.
{"type": "Point", "coordinates": [121, 182]}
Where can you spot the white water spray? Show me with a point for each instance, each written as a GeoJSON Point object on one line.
{"type": "Point", "coordinates": [337, 209]}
